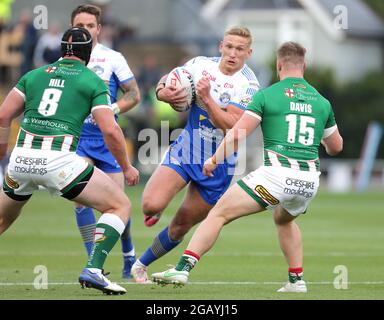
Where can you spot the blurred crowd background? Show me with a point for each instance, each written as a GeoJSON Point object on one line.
{"type": "Point", "coordinates": [344, 39]}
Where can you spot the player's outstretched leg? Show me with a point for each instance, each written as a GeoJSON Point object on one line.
{"type": "Point", "coordinates": [101, 194]}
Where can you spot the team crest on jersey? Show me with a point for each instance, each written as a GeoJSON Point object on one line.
{"type": "Point", "coordinates": [289, 93]}
{"type": "Point", "coordinates": [225, 97]}
{"type": "Point", "coordinates": [50, 69]}
{"type": "Point", "coordinates": [98, 70]}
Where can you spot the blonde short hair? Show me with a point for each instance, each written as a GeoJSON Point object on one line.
{"type": "Point", "coordinates": [241, 32]}
{"type": "Point", "coordinates": [291, 52]}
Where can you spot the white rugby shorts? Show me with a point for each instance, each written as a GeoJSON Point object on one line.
{"type": "Point", "coordinates": [55, 170]}
{"type": "Point", "coordinates": [272, 186]}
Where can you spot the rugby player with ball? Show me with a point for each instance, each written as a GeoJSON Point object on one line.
{"type": "Point", "coordinates": [224, 86]}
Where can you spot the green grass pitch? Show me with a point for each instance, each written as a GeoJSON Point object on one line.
{"type": "Point", "coordinates": [245, 264]}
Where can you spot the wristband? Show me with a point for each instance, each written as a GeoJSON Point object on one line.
{"type": "Point", "coordinates": [115, 108]}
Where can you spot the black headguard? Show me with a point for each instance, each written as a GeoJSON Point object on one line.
{"type": "Point", "coordinates": [80, 44]}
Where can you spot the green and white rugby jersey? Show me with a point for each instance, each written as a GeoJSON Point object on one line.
{"type": "Point", "coordinates": [294, 118]}
{"type": "Point", "coordinates": [58, 97]}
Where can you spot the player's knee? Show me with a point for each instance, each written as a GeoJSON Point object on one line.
{"type": "Point", "coordinates": [127, 206]}
{"type": "Point", "coordinates": [122, 208]}
{"type": "Point", "coordinates": [220, 214]}
{"type": "Point", "coordinates": [282, 218]}
{"type": "Point", "coordinates": [150, 206]}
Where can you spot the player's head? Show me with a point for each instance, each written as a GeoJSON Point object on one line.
{"type": "Point", "coordinates": [291, 57]}
{"type": "Point", "coordinates": [77, 42]}
{"type": "Point", "coordinates": [235, 48]}
{"type": "Point", "coordinates": [87, 16]}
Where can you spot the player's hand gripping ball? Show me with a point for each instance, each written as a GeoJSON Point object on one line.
{"type": "Point", "coordinates": [179, 77]}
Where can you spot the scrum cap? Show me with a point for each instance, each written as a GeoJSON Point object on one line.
{"type": "Point", "coordinates": [77, 42]}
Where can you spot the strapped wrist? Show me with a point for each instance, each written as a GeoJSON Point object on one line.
{"type": "Point", "coordinates": [115, 108]}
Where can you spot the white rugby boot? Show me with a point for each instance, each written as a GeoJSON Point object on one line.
{"type": "Point", "coordinates": [171, 276]}
{"type": "Point", "coordinates": [298, 286]}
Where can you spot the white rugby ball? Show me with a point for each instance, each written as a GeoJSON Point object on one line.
{"type": "Point", "coordinates": [180, 77]}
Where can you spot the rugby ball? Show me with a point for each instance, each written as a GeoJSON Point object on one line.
{"type": "Point", "coordinates": [180, 77]}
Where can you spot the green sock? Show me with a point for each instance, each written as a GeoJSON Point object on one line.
{"type": "Point", "coordinates": [186, 263]}
{"type": "Point", "coordinates": [295, 274]}
{"type": "Point", "coordinates": [107, 233]}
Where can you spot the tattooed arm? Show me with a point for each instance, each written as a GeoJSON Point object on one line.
{"type": "Point", "coordinates": [130, 98]}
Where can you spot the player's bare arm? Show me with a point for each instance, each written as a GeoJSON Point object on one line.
{"type": "Point", "coordinates": [221, 118]}
{"type": "Point", "coordinates": [245, 126]}
{"type": "Point", "coordinates": [333, 144]}
{"type": "Point", "coordinates": [114, 139]}
{"type": "Point", "coordinates": [11, 108]}
{"type": "Point", "coordinates": [130, 98]}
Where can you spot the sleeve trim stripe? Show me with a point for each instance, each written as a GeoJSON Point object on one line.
{"type": "Point", "coordinates": [253, 114]}
{"type": "Point", "coordinates": [329, 131]}
{"type": "Point", "coordinates": [21, 93]}
{"type": "Point", "coordinates": [126, 80]}
{"type": "Point", "coordinates": [104, 106]}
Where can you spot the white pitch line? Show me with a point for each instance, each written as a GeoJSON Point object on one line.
{"type": "Point", "coordinates": [216, 254]}
{"type": "Point", "coordinates": [200, 283]}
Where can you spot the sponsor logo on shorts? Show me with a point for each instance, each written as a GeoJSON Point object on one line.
{"type": "Point", "coordinates": [303, 188]}
{"type": "Point", "coordinates": [31, 165]}
{"type": "Point", "coordinates": [10, 182]}
{"type": "Point", "coordinates": [31, 170]}
{"type": "Point", "coordinates": [31, 161]}
{"type": "Point", "coordinates": [265, 195]}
